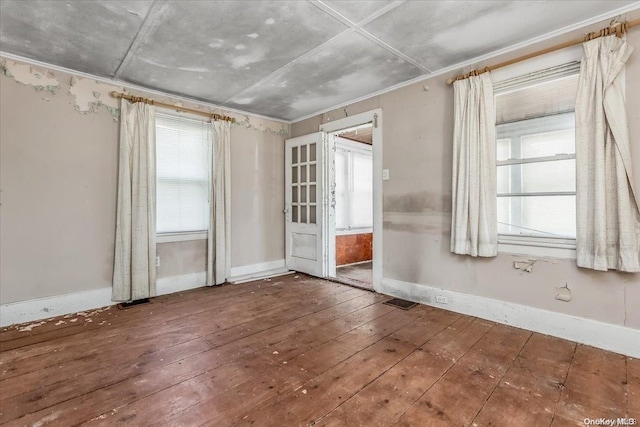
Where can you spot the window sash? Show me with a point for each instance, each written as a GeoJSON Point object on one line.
{"type": "Point", "coordinates": [349, 206]}
{"type": "Point", "coordinates": [183, 175]}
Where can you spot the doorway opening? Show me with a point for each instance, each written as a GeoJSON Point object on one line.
{"type": "Point", "coordinates": [311, 199]}
{"type": "Point", "coordinates": [352, 196]}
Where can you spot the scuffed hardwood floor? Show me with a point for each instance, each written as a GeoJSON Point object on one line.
{"type": "Point", "coordinates": [300, 351]}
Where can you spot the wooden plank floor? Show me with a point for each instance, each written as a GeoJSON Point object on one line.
{"type": "Point", "coordinates": [301, 351]}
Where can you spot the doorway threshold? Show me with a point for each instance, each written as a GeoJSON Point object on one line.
{"type": "Point", "coordinates": [353, 283]}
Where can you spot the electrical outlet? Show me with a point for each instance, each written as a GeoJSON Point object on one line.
{"type": "Point", "coordinates": [157, 261]}
{"type": "Point", "coordinates": [441, 299]}
{"type": "Point", "coordinates": [385, 174]}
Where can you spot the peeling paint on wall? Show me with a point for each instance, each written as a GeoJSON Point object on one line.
{"type": "Point", "coordinates": [564, 293]}
{"type": "Point", "coordinates": [90, 95]}
{"type": "Point", "coordinates": [246, 123]}
{"type": "Point", "coordinates": [524, 265]}
{"type": "Point", "coordinates": [27, 75]}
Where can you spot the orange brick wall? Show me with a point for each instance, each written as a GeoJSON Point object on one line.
{"type": "Point", "coordinates": [354, 248]}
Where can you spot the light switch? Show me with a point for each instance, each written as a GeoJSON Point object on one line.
{"type": "Point", "coordinates": [385, 174]}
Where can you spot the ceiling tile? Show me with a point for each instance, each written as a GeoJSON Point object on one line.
{"type": "Point", "coordinates": [69, 33]}
{"type": "Point", "coordinates": [348, 68]}
{"type": "Point", "coordinates": [356, 11]}
{"type": "Point", "coordinates": [213, 50]}
{"type": "Point", "coordinates": [451, 32]}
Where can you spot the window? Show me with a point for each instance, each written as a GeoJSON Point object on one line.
{"type": "Point", "coordinates": [354, 186]}
{"type": "Point", "coordinates": [182, 169]}
{"type": "Point", "coordinates": [535, 156]}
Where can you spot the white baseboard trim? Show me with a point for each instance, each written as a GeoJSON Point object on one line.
{"type": "Point", "coordinates": [261, 270]}
{"type": "Point", "coordinates": [184, 282]}
{"type": "Point", "coordinates": [43, 308]}
{"type": "Point", "coordinates": [607, 336]}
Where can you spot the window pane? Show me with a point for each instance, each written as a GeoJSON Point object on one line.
{"type": "Point", "coordinates": [294, 155]}
{"type": "Point", "coordinates": [543, 177]}
{"type": "Point", "coordinates": [294, 214]}
{"type": "Point", "coordinates": [312, 193]}
{"type": "Point", "coordinates": [559, 175]}
{"type": "Point", "coordinates": [303, 214]}
{"type": "Point", "coordinates": [312, 152]}
{"type": "Point", "coordinates": [294, 174]}
{"type": "Point", "coordinates": [303, 194]}
{"type": "Point", "coordinates": [546, 216]}
{"type": "Point", "coordinates": [503, 149]}
{"type": "Point", "coordinates": [303, 153]}
{"type": "Point", "coordinates": [312, 173]}
{"type": "Point", "coordinates": [548, 144]}
{"type": "Point", "coordinates": [182, 174]}
{"type": "Point", "coordinates": [312, 214]}
{"type": "Point", "coordinates": [362, 195]}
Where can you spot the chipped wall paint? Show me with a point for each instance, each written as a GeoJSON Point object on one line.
{"type": "Point", "coordinates": [90, 95]}
{"type": "Point", "coordinates": [262, 126]}
{"type": "Point", "coordinates": [27, 75]}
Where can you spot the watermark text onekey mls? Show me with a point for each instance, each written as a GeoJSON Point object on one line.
{"type": "Point", "coordinates": [610, 421]}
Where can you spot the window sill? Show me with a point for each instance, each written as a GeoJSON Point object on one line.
{"type": "Point", "coordinates": [181, 237]}
{"type": "Point", "coordinates": [537, 246]}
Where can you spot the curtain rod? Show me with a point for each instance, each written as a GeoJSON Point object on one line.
{"type": "Point", "coordinates": [618, 30]}
{"type": "Point", "coordinates": [149, 101]}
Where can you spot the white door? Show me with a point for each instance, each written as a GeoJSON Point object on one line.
{"type": "Point", "coordinates": [305, 201]}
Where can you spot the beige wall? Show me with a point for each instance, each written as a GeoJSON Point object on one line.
{"type": "Point", "coordinates": [257, 199]}
{"type": "Point", "coordinates": [417, 149]}
{"type": "Point", "coordinates": [58, 172]}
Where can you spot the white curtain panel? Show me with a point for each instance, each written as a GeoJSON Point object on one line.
{"type": "Point", "coordinates": [134, 271]}
{"type": "Point", "coordinates": [218, 243]}
{"type": "Point", "coordinates": [608, 219]}
{"type": "Point", "coordinates": [473, 219]}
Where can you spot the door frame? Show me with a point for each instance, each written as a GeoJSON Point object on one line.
{"type": "Point", "coordinates": [375, 117]}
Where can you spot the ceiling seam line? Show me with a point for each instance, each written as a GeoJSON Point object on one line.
{"type": "Point", "coordinates": [142, 31]}
{"type": "Point", "coordinates": [358, 27]}
{"type": "Point", "coordinates": [382, 11]}
{"type": "Point", "coordinates": [392, 50]}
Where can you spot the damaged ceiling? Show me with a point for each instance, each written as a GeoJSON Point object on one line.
{"type": "Point", "coordinates": [283, 59]}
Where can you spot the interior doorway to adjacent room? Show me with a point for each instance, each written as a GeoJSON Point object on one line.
{"type": "Point", "coordinates": [353, 197]}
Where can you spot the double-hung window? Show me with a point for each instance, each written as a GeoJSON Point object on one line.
{"type": "Point", "coordinates": [183, 159]}
{"type": "Point", "coordinates": [354, 187]}
{"type": "Point", "coordinates": [536, 166]}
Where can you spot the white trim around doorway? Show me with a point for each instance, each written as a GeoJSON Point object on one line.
{"type": "Point", "coordinates": [375, 117]}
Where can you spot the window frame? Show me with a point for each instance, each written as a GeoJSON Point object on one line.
{"type": "Point", "coordinates": [538, 246]}
{"type": "Point", "coordinates": [182, 236]}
